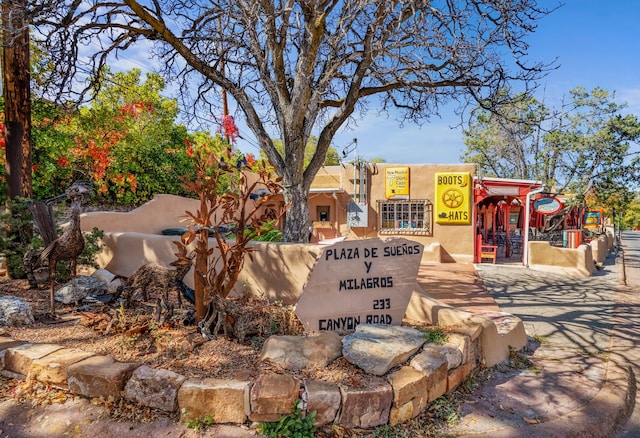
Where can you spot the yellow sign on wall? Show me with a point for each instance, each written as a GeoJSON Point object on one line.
{"type": "Point", "coordinates": [453, 198]}
{"type": "Point", "coordinates": [396, 183]}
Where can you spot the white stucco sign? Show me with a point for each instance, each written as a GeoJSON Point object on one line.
{"type": "Point", "coordinates": [367, 281]}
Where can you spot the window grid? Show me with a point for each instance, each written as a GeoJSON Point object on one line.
{"type": "Point", "coordinates": [405, 217]}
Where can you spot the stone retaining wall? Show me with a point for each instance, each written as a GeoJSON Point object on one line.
{"type": "Point", "coordinates": [399, 395]}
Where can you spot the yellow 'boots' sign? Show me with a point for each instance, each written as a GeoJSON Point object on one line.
{"type": "Point", "coordinates": [453, 198]}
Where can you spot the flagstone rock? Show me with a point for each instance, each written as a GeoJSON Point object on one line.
{"type": "Point", "coordinates": [462, 343]}
{"type": "Point", "coordinates": [79, 288]}
{"type": "Point", "coordinates": [377, 349]}
{"type": "Point", "coordinates": [109, 279]}
{"type": "Point", "coordinates": [407, 383]}
{"type": "Point", "coordinates": [458, 375]}
{"type": "Point", "coordinates": [450, 351]}
{"type": "Point", "coordinates": [324, 398]}
{"type": "Point", "coordinates": [400, 414]}
{"type": "Point", "coordinates": [299, 352]}
{"type": "Point", "coordinates": [99, 376]}
{"type": "Point", "coordinates": [18, 359]}
{"type": "Point", "coordinates": [52, 368]}
{"type": "Point", "coordinates": [156, 388]}
{"type": "Point", "coordinates": [8, 342]}
{"type": "Point", "coordinates": [15, 311]}
{"type": "Point", "coordinates": [227, 401]}
{"type": "Point", "coordinates": [434, 366]}
{"type": "Point", "coordinates": [272, 396]}
{"type": "Point", "coordinates": [366, 406]}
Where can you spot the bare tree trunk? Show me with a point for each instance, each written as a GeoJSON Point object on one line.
{"type": "Point", "coordinates": [296, 228]}
{"type": "Point", "coordinates": [17, 97]}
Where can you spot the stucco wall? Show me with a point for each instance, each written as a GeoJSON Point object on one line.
{"type": "Point", "coordinates": [163, 211]}
{"type": "Point", "coordinates": [600, 249]}
{"type": "Point", "coordinates": [456, 241]}
{"type": "Point", "coordinates": [577, 261]}
{"type": "Point", "coordinates": [276, 270]}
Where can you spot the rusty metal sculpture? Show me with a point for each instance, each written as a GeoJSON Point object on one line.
{"type": "Point", "coordinates": [69, 245]}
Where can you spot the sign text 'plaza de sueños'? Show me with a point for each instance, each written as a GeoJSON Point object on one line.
{"type": "Point", "coordinates": [367, 281]}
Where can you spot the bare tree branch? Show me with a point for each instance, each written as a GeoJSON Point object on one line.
{"type": "Point", "coordinates": [295, 66]}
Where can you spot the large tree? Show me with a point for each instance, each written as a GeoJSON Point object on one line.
{"type": "Point", "coordinates": [295, 67]}
{"type": "Point", "coordinates": [583, 146]}
{"type": "Point", "coordinates": [16, 64]}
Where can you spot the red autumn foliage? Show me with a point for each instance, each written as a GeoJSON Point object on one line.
{"type": "Point", "coordinates": [229, 128]}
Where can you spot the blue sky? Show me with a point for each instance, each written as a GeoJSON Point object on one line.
{"type": "Point", "coordinates": [596, 43]}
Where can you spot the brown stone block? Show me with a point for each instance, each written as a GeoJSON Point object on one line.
{"type": "Point", "coordinates": [420, 404]}
{"type": "Point", "coordinates": [463, 343]}
{"type": "Point", "coordinates": [52, 368]}
{"type": "Point", "coordinates": [99, 376]}
{"type": "Point", "coordinates": [434, 366]}
{"type": "Point", "coordinates": [18, 359]}
{"type": "Point", "coordinates": [401, 414]}
{"type": "Point", "coordinates": [457, 375]}
{"type": "Point", "coordinates": [324, 398]}
{"type": "Point", "coordinates": [226, 400]}
{"type": "Point", "coordinates": [156, 388]}
{"type": "Point", "coordinates": [272, 396]}
{"type": "Point", "coordinates": [366, 407]}
{"type": "Point", "coordinates": [407, 383]}
{"type": "Point", "coordinates": [7, 342]}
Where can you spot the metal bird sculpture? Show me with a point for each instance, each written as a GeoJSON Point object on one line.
{"type": "Point", "coordinates": [69, 245]}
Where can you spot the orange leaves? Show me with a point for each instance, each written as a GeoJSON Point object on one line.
{"type": "Point", "coordinates": [62, 162]}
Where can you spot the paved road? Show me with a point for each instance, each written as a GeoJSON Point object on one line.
{"type": "Point", "coordinates": [626, 349]}
{"type": "Point", "coordinates": [598, 315]}
{"type": "Point", "coordinates": [567, 311]}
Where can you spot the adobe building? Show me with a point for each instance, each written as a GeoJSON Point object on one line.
{"type": "Point", "coordinates": [456, 215]}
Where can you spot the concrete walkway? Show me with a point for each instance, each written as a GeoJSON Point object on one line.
{"type": "Point", "coordinates": [626, 348]}
{"type": "Point", "coordinates": [583, 337]}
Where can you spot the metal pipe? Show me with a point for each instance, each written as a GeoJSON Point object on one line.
{"type": "Point", "coordinates": [527, 220]}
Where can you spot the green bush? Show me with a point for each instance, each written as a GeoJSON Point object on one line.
{"type": "Point", "coordinates": [294, 425]}
{"type": "Point", "coordinates": [199, 424]}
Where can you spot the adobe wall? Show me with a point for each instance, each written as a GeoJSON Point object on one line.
{"type": "Point", "coordinates": [456, 241]}
{"type": "Point", "coordinates": [577, 261]}
{"type": "Point", "coordinates": [162, 212]}
{"type": "Point", "coordinates": [277, 271]}
{"type": "Point", "coordinates": [600, 249]}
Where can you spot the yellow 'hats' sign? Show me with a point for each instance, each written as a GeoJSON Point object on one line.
{"type": "Point", "coordinates": [453, 198]}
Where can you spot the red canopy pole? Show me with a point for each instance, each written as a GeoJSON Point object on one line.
{"type": "Point", "coordinates": [507, 225]}
{"type": "Point", "coordinates": [493, 223]}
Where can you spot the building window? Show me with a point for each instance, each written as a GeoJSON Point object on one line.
{"type": "Point", "coordinates": [405, 217]}
{"type": "Point", "coordinates": [322, 213]}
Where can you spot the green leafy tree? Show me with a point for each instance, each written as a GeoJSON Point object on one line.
{"type": "Point", "coordinates": [127, 140]}
{"type": "Point", "coordinates": [50, 172]}
{"type": "Point", "coordinates": [508, 144]}
{"type": "Point", "coordinates": [582, 147]}
{"type": "Point", "coordinates": [300, 67]}
{"type": "Point", "coordinates": [631, 214]}
{"type": "Point", "coordinates": [52, 146]}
